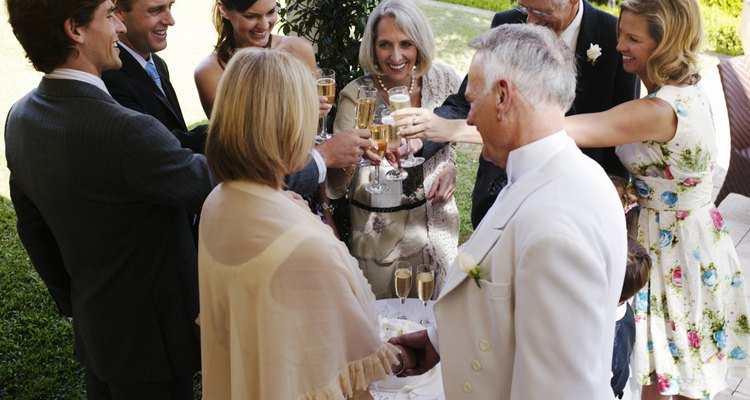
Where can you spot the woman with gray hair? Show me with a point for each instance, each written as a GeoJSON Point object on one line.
{"type": "Point", "coordinates": [416, 220]}
{"type": "Point", "coordinates": [285, 312]}
{"type": "Point", "coordinates": [692, 317]}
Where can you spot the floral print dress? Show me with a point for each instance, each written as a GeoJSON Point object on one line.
{"type": "Point", "coordinates": [691, 318]}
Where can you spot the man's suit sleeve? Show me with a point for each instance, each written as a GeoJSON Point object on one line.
{"type": "Point", "coordinates": [305, 181]}
{"type": "Point", "coordinates": [42, 248]}
{"type": "Point", "coordinates": [455, 106]}
{"type": "Point", "coordinates": [123, 93]}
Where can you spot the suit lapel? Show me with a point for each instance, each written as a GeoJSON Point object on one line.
{"type": "Point", "coordinates": [507, 203]}
{"type": "Point", "coordinates": [133, 69]}
{"type": "Point", "coordinates": [169, 92]}
{"type": "Point", "coordinates": [588, 75]}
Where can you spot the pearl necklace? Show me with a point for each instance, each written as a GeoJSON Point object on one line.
{"type": "Point", "coordinates": [411, 83]}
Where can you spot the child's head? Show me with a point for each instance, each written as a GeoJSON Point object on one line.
{"type": "Point", "coordinates": [629, 199]}
{"type": "Point", "coordinates": [637, 270]}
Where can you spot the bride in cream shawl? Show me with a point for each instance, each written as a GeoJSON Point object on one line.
{"type": "Point", "coordinates": [285, 311]}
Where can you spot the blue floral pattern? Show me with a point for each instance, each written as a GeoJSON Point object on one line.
{"type": "Point", "coordinates": [692, 317]}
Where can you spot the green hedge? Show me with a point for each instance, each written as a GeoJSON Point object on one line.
{"type": "Point", "coordinates": [720, 21]}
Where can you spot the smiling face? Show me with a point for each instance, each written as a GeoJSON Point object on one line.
{"type": "Point", "coordinates": [635, 43]}
{"type": "Point", "coordinates": [253, 26]}
{"type": "Point", "coordinates": [549, 14]}
{"type": "Point", "coordinates": [147, 24]}
{"type": "Point", "coordinates": [97, 49]}
{"type": "Point", "coordinates": [396, 53]}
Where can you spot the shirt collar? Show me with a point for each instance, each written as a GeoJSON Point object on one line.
{"type": "Point", "coordinates": [137, 56]}
{"type": "Point", "coordinates": [533, 155]}
{"type": "Point", "coordinates": [570, 34]}
{"type": "Point", "coordinates": [77, 75]}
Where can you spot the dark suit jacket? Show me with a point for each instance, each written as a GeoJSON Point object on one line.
{"type": "Point", "coordinates": [100, 193]}
{"type": "Point", "coordinates": [133, 88]}
{"type": "Point", "coordinates": [599, 88]}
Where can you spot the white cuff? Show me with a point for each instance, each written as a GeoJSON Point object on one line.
{"type": "Point", "coordinates": [321, 165]}
{"type": "Point", "coordinates": [433, 335]}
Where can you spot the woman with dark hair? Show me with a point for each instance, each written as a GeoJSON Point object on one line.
{"type": "Point", "coordinates": [240, 24]}
{"type": "Point", "coordinates": [691, 318]}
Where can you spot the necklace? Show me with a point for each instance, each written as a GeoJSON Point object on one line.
{"type": "Point", "coordinates": [411, 83]}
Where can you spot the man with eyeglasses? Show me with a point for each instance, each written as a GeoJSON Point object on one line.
{"type": "Point", "coordinates": [601, 85]}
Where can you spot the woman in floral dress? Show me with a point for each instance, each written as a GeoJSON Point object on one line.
{"type": "Point", "coordinates": [691, 319]}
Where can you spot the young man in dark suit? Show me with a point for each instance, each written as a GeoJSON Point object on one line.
{"type": "Point", "coordinates": [151, 92]}
{"type": "Point", "coordinates": [100, 193]}
{"type": "Point", "coordinates": [601, 85]}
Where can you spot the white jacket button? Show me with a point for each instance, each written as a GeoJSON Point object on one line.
{"type": "Point", "coordinates": [484, 345]}
{"type": "Point", "coordinates": [467, 387]}
{"type": "Point", "coordinates": [476, 366]}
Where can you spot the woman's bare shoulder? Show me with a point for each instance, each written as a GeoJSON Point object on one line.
{"type": "Point", "coordinates": [209, 65]}
{"type": "Point", "coordinates": [299, 47]}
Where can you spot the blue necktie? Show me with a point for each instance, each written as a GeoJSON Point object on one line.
{"type": "Point", "coordinates": [151, 71]}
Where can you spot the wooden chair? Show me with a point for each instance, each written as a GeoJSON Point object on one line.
{"type": "Point", "coordinates": [735, 79]}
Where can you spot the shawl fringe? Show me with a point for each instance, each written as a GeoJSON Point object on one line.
{"type": "Point", "coordinates": [357, 375]}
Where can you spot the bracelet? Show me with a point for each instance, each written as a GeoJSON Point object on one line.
{"type": "Point", "coordinates": [328, 207]}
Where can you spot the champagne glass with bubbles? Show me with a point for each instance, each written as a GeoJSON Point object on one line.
{"type": "Point", "coordinates": [425, 288]}
{"type": "Point", "coordinates": [394, 143]}
{"type": "Point", "coordinates": [402, 281]}
{"type": "Point", "coordinates": [365, 111]}
{"type": "Point", "coordinates": [326, 82]}
{"type": "Point", "coordinates": [377, 134]}
{"type": "Point", "coordinates": [399, 98]}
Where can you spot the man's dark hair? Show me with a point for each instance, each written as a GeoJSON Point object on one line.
{"type": "Point", "coordinates": [39, 27]}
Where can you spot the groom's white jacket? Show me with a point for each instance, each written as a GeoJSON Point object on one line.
{"type": "Point", "coordinates": [552, 253]}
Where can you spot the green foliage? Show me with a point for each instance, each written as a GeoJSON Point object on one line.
{"type": "Point", "coordinates": [36, 343]}
{"type": "Point", "coordinates": [336, 28]}
{"type": "Point", "coordinates": [720, 27]}
{"type": "Point", "coordinates": [467, 163]}
{"type": "Point", "coordinates": [729, 7]}
{"type": "Point", "coordinates": [491, 5]}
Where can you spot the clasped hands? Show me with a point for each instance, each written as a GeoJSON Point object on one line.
{"type": "Point", "coordinates": [417, 353]}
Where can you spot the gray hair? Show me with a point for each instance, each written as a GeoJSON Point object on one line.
{"type": "Point", "coordinates": [410, 19]}
{"type": "Point", "coordinates": [533, 58]}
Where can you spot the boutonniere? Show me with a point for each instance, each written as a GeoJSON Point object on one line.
{"type": "Point", "coordinates": [468, 266]}
{"type": "Point", "coordinates": [593, 53]}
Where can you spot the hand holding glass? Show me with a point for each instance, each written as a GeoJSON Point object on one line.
{"type": "Point", "coordinates": [377, 134]}
{"type": "Point", "coordinates": [394, 143]}
{"type": "Point", "coordinates": [326, 82]}
{"type": "Point", "coordinates": [365, 111]}
{"type": "Point", "coordinates": [399, 98]}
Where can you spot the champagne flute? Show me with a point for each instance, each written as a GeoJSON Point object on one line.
{"type": "Point", "coordinates": [377, 134]}
{"type": "Point", "coordinates": [399, 98]}
{"type": "Point", "coordinates": [365, 112]}
{"type": "Point", "coordinates": [394, 143]}
{"type": "Point", "coordinates": [326, 82]}
{"type": "Point", "coordinates": [402, 281]}
{"type": "Point", "coordinates": [425, 287]}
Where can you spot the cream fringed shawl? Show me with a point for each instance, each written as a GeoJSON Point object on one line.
{"type": "Point", "coordinates": [285, 311]}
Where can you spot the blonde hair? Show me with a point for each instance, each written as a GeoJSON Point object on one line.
{"type": "Point", "coordinates": [410, 20]}
{"type": "Point", "coordinates": [263, 122]}
{"type": "Point", "coordinates": [676, 27]}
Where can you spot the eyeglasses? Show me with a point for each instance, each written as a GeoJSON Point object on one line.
{"type": "Point", "coordinates": [537, 13]}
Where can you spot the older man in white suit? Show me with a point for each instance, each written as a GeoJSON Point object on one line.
{"type": "Point", "coordinates": [529, 312]}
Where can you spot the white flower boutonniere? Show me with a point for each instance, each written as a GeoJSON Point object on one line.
{"type": "Point", "coordinates": [593, 53]}
{"type": "Point", "coordinates": [468, 266]}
